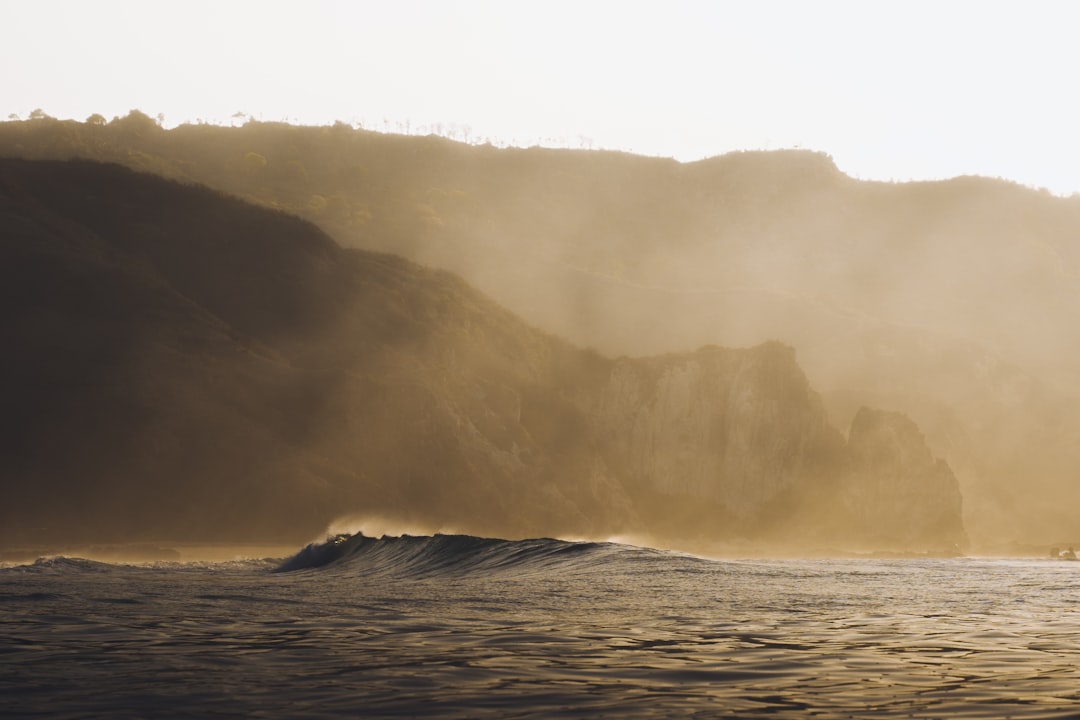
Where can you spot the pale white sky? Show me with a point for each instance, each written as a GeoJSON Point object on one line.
{"type": "Point", "coordinates": [892, 90]}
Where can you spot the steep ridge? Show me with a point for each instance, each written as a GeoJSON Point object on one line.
{"type": "Point", "coordinates": [186, 365]}
{"type": "Point", "coordinates": [128, 403]}
{"type": "Point", "coordinates": [214, 369]}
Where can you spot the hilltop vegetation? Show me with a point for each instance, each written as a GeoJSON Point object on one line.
{"type": "Point", "coordinates": [956, 302]}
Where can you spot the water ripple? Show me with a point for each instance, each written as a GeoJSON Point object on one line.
{"type": "Point", "coordinates": [584, 632]}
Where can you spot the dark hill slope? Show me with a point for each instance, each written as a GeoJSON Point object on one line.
{"type": "Point", "coordinates": [182, 364]}
{"type": "Point", "coordinates": [142, 393]}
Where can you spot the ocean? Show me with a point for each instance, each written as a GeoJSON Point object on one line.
{"type": "Point", "coordinates": [461, 627]}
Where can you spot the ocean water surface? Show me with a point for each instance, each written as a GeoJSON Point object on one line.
{"type": "Point", "coordinates": [456, 627]}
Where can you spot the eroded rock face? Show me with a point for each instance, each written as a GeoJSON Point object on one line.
{"type": "Point", "coordinates": [896, 493]}
{"type": "Point", "coordinates": [742, 431]}
{"type": "Point", "coordinates": [730, 426]}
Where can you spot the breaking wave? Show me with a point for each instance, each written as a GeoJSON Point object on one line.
{"type": "Point", "coordinates": [439, 555]}
{"type": "Point", "coordinates": [62, 564]}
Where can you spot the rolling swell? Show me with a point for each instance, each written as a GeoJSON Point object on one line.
{"type": "Point", "coordinates": [439, 555]}
{"type": "Point", "coordinates": [62, 564]}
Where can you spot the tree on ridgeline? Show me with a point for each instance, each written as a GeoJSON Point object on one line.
{"type": "Point", "coordinates": [136, 124]}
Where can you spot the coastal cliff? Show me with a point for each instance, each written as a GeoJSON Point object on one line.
{"type": "Point", "coordinates": [741, 433]}
{"type": "Point", "coordinates": [896, 494]}
{"type": "Point", "coordinates": [735, 427]}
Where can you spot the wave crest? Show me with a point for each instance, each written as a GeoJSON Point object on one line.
{"type": "Point", "coordinates": [439, 555]}
{"type": "Point", "coordinates": [59, 564]}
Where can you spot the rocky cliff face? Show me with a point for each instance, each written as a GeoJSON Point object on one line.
{"type": "Point", "coordinates": [896, 494]}
{"type": "Point", "coordinates": [742, 433]}
{"type": "Point", "coordinates": [735, 427]}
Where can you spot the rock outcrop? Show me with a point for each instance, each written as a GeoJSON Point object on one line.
{"type": "Point", "coordinates": [896, 494]}
{"type": "Point", "coordinates": [734, 427]}
{"type": "Point", "coordinates": [741, 436]}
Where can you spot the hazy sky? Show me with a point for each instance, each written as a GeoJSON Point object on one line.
{"type": "Point", "coordinates": [892, 90]}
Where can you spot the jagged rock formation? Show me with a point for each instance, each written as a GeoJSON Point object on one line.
{"type": "Point", "coordinates": [738, 439]}
{"type": "Point", "coordinates": [730, 427]}
{"type": "Point", "coordinates": [896, 493]}
{"type": "Point", "coordinates": [180, 364]}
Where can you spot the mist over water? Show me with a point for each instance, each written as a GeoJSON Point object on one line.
{"type": "Point", "coordinates": [456, 626]}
